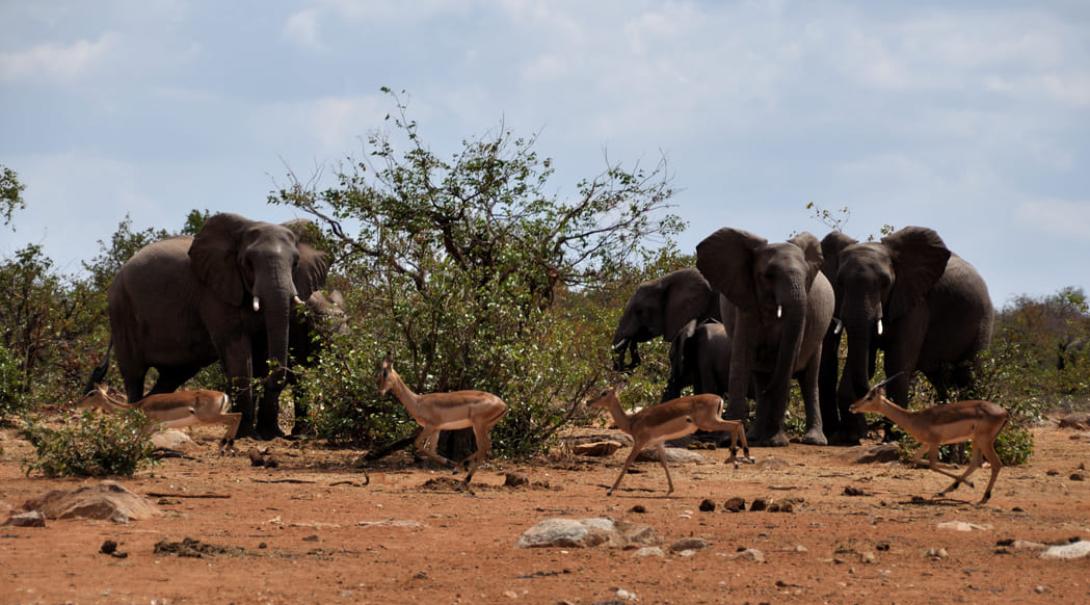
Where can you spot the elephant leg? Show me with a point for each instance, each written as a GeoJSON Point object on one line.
{"type": "Point", "coordinates": [301, 424]}
{"type": "Point", "coordinates": [272, 383]}
{"type": "Point", "coordinates": [827, 379]}
{"type": "Point", "coordinates": [775, 406]}
{"type": "Point", "coordinates": [808, 384]}
{"type": "Point", "coordinates": [134, 383]}
{"type": "Point", "coordinates": [238, 367]}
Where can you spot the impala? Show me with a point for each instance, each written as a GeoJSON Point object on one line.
{"type": "Point", "coordinates": [173, 410]}
{"type": "Point", "coordinates": [652, 426]}
{"type": "Point", "coordinates": [436, 412]}
{"type": "Point", "coordinates": [977, 421]}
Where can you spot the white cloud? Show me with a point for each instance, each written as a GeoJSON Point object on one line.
{"type": "Point", "coordinates": [303, 29]}
{"type": "Point", "coordinates": [331, 125]}
{"type": "Point", "coordinates": [1064, 218]}
{"type": "Point", "coordinates": [56, 62]}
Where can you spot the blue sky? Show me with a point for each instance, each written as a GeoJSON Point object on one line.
{"type": "Point", "coordinates": [972, 119]}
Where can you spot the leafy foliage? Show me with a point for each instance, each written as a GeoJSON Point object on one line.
{"type": "Point", "coordinates": [11, 195]}
{"type": "Point", "coordinates": [475, 276]}
{"type": "Point", "coordinates": [98, 445]}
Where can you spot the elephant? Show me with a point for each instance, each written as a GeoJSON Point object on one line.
{"type": "Point", "coordinates": [781, 306]}
{"type": "Point", "coordinates": [703, 356]}
{"type": "Point", "coordinates": [311, 325]}
{"type": "Point", "coordinates": [908, 295]}
{"type": "Point", "coordinates": [181, 303]}
{"type": "Point", "coordinates": [662, 307]}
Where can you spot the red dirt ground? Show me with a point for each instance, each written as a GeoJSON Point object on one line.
{"type": "Point", "coordinates": [316, 551]}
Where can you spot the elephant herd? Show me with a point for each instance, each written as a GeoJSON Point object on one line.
{"type": "Point", "coordinates": [753, 315]}
{"type": "Point", "coordinates": [749, 318]}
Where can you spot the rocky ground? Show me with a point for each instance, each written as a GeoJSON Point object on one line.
{"type": "Point", "coordinates": [832, 530]}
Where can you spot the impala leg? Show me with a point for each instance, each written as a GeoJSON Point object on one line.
{"type": "Point", "coordinates": [484, 445]}
{"type": "Point", "coordinates": [426, 444]}
{"type": "Point", "coordinates": [988, 451]}
{"type": "Point", "coordinates": [662, 459]}
{"type": "Point", "coordinates": [232, 420]}
{"type": "Point", "coordinates": [636, 447]}
{"type": "Point", "coordinates": [737, 433]}
{"type": "Point", "coordinates": [973, 465]}
{"type": "Point", "coordinates": [933, 459]}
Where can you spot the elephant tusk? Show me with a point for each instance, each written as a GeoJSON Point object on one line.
{"type": "Point", "coordinates": [779, 311]}
{"type": "Point", "coordinates": [879, 326]}
{"type": "Point", "coordinates": [297, 300]}
{"type": "Point", "coordinates": [837, 325]}
{"type": "Point", "coordinates": [620, 344]}
{"type": "Point", "coordinates": [257, 304]}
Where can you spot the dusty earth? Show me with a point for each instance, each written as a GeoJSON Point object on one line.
{"type": "Point", "coordinates": [293, 534]}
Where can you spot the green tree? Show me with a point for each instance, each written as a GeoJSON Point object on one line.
{"type": "Point", "coordinates": [11, 194]}
{"type": "Point", "coordinates": [458, 264]}
{"type": "Point", "coordinates": [122, 245]}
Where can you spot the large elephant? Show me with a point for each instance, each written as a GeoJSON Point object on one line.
{"type": "Point", "coordinates": [662, 307]}
{"type": "Point", "coordinates": [311, 326]}
{"type": "Point", "coordinates": [782, 305]}
{"type": "Point", "coordinates": [181, 303]}
{"type": "Point", "coordinates": [908, 295]}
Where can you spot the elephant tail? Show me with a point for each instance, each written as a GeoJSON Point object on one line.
{"type": "Point", "coordinates": [98, 375]}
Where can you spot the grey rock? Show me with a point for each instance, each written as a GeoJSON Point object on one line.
{"type": "Point", "coordinates": [172, 439]}
{"type": "Point", "coordinates": [106, 500]}
{"type": "Point", "coordinates": [674, 455]}
{"type": "Point", "coordinates": [596, 448]}
{"type": "Point", "coordinates": [27, 519]}
{"type": "Point", "coordinates": [586, 533]}
{"type": "Point", "coordinates": [735, 505]}
{"type": "Point", "coordinates": [649, 551]}
{"type": "Point", "coordinates": [749, 554]}
{"type": "Point", "coordinates": [1075, 550]}
{"type": "Point", "coordinates": [689, 544]}
{"type": "Point", "coordinates": [759, 504]}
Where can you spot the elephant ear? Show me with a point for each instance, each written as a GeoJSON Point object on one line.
{"type": "Point", "coordinates": [831, 246]}
{"type": "Point", "coordinates": [919, 259]}
{"type": "Point", "coordinates": [688, 296]}
{"type": "Point", "coordinates": [811, 251]}
{"type": "Point", "coordinates": [726, 259]}
{"type": "Point", "coordinates": [214, 256]}
{"type": "Point", "coordinates": [309, 275]}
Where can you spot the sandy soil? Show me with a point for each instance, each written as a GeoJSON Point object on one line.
{"type": "Point", "coordinates": [303, 542]}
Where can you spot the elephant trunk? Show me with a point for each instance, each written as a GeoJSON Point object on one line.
{"type": "Point", "coordinates": [793, 302]}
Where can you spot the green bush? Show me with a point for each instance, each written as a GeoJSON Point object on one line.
{"type": "Point", "coordinates": [98, 445]}
{"type": "Point", "coordinates": [12, 397]}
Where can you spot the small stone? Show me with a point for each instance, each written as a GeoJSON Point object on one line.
{"type": "Point", "coordinates": [962, 526]}
{"type": "Point", "coordinates": [596, 448]}
{"type": "Point", "coordinates": [311, 538]}
{"type": "Point", "coordinates": [1052, 472]}
{"type": "Point", "coordinates": [759, 504]}
{"type": "Point", "coordinates": [750, 554]}
{"type": "Point", "coordinates": [686, 553]}
{"type": "Point", "coordinates": [108, 547]}
{"type": "Point", "coordinates": [639, 508]}
{"type": "Point", "coordinates": [1040, 589]}
{"type": "Point", "coordinates": [801, 548]}
{"type": "Point", "coordinates": [420, 575]}
{"type": "Point", "coordinates": [515, 480]}
{"type": "Point", "coordinates": [626, 595]}
{"type": "Point", "coordinates": [271, 462]}
{"type": "Point", "coordinates": [1075, 550]}
{"type": "Point", "coordinates": [1017, 509]}
{"type": "Point", "coordinates": [868, 558]}
{"type": "Point", "coordinates": [262, 545]}
{"type": "Point", "coordinates": [689, 544]}
{"type": "Point", "coordinates": [735, 504]}
{"type": "Point", "coordinates": [28, 519]}
{"type": "Point", "coordinates": [649, 551]}
{"type": "Point", "coordinates": [510, 594]}
{"type": "Point", "coordinates": [937, 553]}
{"type": "Point", "coordinates": [707, 506]}
{"type": "Point", "coordinates": [882, 546]}
{"type": "Point", "coordinates": [256, 458]}
{"type": "Point", "coordinates": [851, 490]}
{"type": "Point", "coordinates": [1077, 477]}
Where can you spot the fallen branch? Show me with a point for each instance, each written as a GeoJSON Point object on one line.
{"type": "Point", "coordinates": [288, 480]}
{"type": "Point", "coordinates": [184, 495]}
